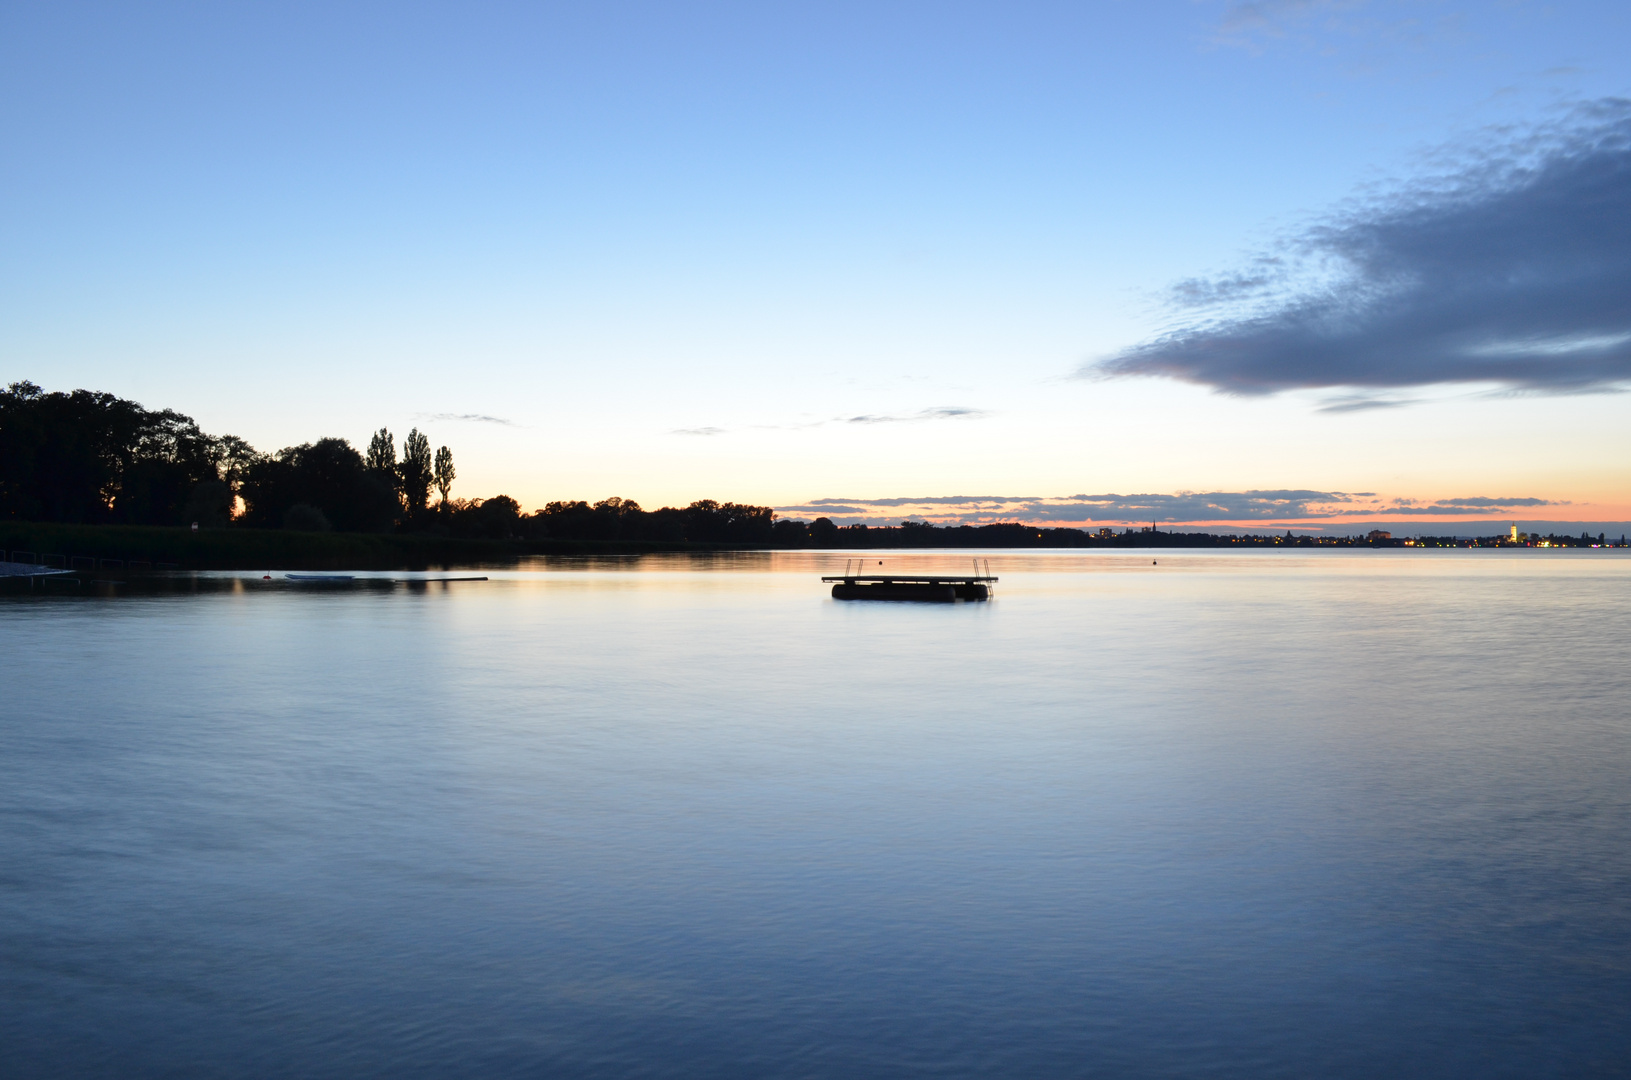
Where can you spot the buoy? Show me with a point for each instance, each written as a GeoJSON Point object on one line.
{"type": "Point", "coordinates": [1154, 563]}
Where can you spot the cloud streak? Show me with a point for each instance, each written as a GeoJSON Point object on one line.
{"type": "Point", "coordinates": [1361, 403]}
{"type": "Point", "coordinates": [1513, 269]}
{"type": "Point", "coordinates": [469, 418]}
{"type": "Point", "coordinates": [1178, 508]}
{"type": "Point", "coordinates": [1334, 27]}
{"type": "Point", "coordinates": [1248, 23]}
{"type": "Point", "coordinates": [948, 412]}
{"type": "Point", "coordinates": [939, 412]}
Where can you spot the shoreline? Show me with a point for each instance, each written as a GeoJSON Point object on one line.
{"type": "Point", "coordinates": [154, 547]}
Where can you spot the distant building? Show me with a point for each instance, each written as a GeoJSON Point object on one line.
{"type": "Point", "coordinates": [1514, 533]}
{"type": "Point", "coordinates": [1378, 534]}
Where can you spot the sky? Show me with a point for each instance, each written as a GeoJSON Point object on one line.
{"type": "Point", "coordinates": [1289, 262]}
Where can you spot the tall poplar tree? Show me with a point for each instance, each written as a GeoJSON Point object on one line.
{"type": "Point", "coordinates": [444, 472]}
{"type": "Point", "coordinates": [417, 471]}
{"type": "Point", "coordinates": [382, 452]}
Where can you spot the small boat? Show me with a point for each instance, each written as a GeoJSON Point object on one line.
{"type": "Point", "coordinates": [932, 588]}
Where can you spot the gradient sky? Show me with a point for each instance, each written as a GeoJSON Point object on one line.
{"type": "Point", "coordinates": [1318, 261]}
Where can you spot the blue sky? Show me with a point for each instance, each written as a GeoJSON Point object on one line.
{"type": "Point", "coordinates": [867, 252]}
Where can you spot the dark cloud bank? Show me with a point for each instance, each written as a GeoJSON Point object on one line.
{"type": "Point", "coordinates": [1514, 269]}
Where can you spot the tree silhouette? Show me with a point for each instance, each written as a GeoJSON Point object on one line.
{"type": "Point", "coordinates": [329, 475]}
{"type": "Point", "coordinates": [234, 456]}
{"type": "Point", "coordinates": [92, 457]}
{"type": "Point", "coordinates": [382, 452]}
{"type": "Point", "coordinates": [444, 473]}
{"type": "Point", "coordinates": [416, 471]}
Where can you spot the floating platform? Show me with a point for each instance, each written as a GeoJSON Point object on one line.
{"type": "Point", "coordinates": [941, 588]}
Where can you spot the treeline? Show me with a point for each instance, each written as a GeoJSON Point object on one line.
{"type": "Point", "coordinates": [702, 522]}
{"type": "Point", "coordinates": [93, 457]}
{"type": "Point", "coordinates": [86, 457]}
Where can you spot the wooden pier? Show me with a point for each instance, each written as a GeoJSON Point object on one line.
{"type": "Point", "coordinates": [28, 569]}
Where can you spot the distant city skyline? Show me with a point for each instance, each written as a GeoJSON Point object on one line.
{"type": "Point", "coordinates": [1209, 263]}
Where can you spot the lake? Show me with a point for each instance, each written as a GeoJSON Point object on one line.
{"type": "Point", "coordinates": [1339, 813]}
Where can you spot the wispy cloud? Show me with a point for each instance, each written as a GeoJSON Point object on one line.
{"type": "Point", "coordinates": [470, 418]}
{"type": "Point", "coordinates": [1336, 27]}
{"type": "Point", "coordinates": [1177, 508]}
{"type": "Point", "coordinates": [939, 412]}
{"type": "Point", "coordinates": [1348, 403]}
{"type": "Point", "coordinates": [949, 412]}
{"type": "Point", "coordinates": [1514, 268]}
{"type": "Point", "coordinates": [1248, 23]}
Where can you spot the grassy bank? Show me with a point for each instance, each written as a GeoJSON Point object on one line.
{"type": "Point", "coordinates": [250, 549]}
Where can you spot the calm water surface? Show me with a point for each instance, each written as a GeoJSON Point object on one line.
{"type": "Point", "coordinates": [1238, 814]}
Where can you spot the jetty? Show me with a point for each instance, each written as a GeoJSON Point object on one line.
{"type": "Point", "coordinates": [28, 569]}
{"type": "Point", "coordinates": [942, 588]}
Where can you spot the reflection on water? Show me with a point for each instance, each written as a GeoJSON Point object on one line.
{"type": "Point", "coordinates": [1336, 813]}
